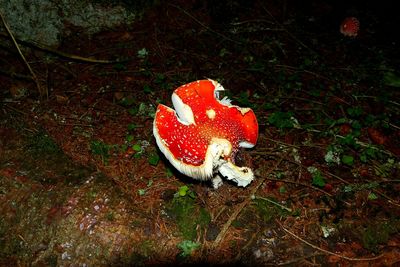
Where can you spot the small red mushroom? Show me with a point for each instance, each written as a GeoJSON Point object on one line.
{"type": "Point", "coordinates": [350, 27]}
{"type": "Point", "coordinates": [203, 134]}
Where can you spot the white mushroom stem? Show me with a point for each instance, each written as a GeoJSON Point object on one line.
{"type": "Point", "coordinates": [217, 181]}
{"type": "Point", "coordinates": [241, 175]}
{"type": "Point", "coordinates": [218, 150]}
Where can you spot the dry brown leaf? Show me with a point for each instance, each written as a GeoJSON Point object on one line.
{"type": "Point", "coordinates": [376, 136]}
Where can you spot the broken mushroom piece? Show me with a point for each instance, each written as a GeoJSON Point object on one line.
{"type": "Point", "coordinates": [203, 134]}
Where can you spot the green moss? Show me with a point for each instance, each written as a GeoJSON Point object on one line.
{"type": "Point", "coordinates": [110, 216]}
{"type": "Point", "coordinates": [10, 245]}
{"type": "Point", "coordinates": [188, 215]}
{"type": "Point", "coordinates": [267, 211]}
{"type": "Point", "coordinates": [204, 218]}
{"type": "Point", "coordinates": [42, 144]}
{"type": "Point", "coordinates": [371, 235]}
{"type": "Point", "coordinates": [142, 252]}
{"type": "Point", "coordinates": [238, 224]}
{"type": "Point", "coordinates": [379, 233]}
{"type": "Point", "coordinates": [146, 248]}
{"type": "Point", "coordinates": [100, 149]}
{"type": "Point", "coordinates": [136, 224]}
{"type": "Point", "coordinates": [187, 247]}
{"type": "Point", "coordinates": [136, 259]}
{"type": "Point", "coordinates": [51, 260]}
{"type": "Point", "coordinates": [182, 209]}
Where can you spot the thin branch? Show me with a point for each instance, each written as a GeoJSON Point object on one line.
{"type": "Point", "coordinates": [286, 30]}
{"type": "Point", "coordinates": [274, 203]}
{"type": "Point", "coordinates": [305, 185]}
{"type": "Point", "coordinates": [205, 26]}
{"type": "Point", "coordinates": [296, 69]}
{"type": "Point", "coordinates": [324, 250]}
{"type": "Point", "coordinates": [240, 207]}
{"type": "Point", "coordinates": [374, 97]}
{"type": "Point", "coordinates": [16, 75]}
{"type": "Point", "coordinates": [358, 142]}
{"type": "Point", "coordinates": [22, 55]}
{"type": "Point", "coordinates": [50, 50]}
{"type": "Point", "coordinates": [296, 260]}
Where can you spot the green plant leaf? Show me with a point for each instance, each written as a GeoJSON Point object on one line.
{"type": "Point", "coordinates": [160, 78]}
{"type": "Point", "coordinates": [191, 194]}
{"type": "Point", "coordinates": [348, 188]}
{"type": "Point", "coordinates": [348, 160]}
{"type": "Point", "coordinates": [341, 121]}
{"type": "Point", "coordinates": [137, 147]}
{"type": "Point", "coordinates": [282, 190]}
{"type": "Point", "coordinates": [349, 140]}
{"type": "Point", "coordinates": [133, 111]}
{"type": "Point", "coordinates": [354, 112]}
{"type": "Point", "coordinates": [127, 101]}
{"type": "Point", "coordinates": [169, 172]}
{"type": "Point", "coordinates": [372, 196]}
{"type": "Point", "coordinates": [129, 138]}
{"type": "Point", "coordinates": [147, 89]}
{"type": "Point", "coordinates": [120, 67]}
{"type": "Point", "coordinates": [223, 52]}
{"type": "Point", "coordinates": [187, 247]}
{"type": "Point", "coordinates": [281, 119]}
{"type": "Point", "coordinates": [391, 79]}
{"type": "Point", "coordinates": [142, 192]}
{"type": "Point", "coordinates": [153, 159]}
{"type": "Point", "coordinates": [142, 53]}
{"type": "Point", "coordinates": [131, 126]}
{"type": "Point", "coordinates": [356, 125]}
{"type": "Point", "coordinates": [243, 99]}
{"type": "Point", "coordinates": [101, 149]}
{"type": "Point", "coordinates": [363, 158]}
{"type": "Point", "coordinates": [183, 190]}
{"type": "Point", "coordinates": [268, 106]}
{"type": "Point", "coordinates": [317, 178]}
{"type": "Point", "coordinates": [318, 181]}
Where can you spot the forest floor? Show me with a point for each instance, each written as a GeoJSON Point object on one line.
{"type": "Point", "coordinates": [82, 182]}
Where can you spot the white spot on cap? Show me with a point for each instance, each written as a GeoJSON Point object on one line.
{"type": "Point", "coordinates": [210, 114]}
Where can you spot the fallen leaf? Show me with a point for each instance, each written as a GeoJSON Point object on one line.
{"type": "Point", "coordinates": [328, 187]}
{"type": "Point", "coordinates": [61, 99]}
{"type": "Point", "coordinates": [376, 136]}
{"type": "Point", "coordinates": [345, 129]}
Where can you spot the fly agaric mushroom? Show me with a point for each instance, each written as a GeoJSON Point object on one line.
{"type": "Point", "coordinates": [202, 136]}
{"type": "Point", "coordinates": [350, 27]}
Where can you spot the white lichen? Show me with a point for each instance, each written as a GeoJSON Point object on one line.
{"type": "Point", "coordinates": [41, 22]}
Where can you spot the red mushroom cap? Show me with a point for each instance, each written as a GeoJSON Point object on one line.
{"type": "Point", "coordinates": [204, 133]}
{"type": "Point", "coordinates": [350, 27]}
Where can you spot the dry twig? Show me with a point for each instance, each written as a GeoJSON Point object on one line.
{"type": "Point", "coordinates": [324, 250]}
{"type": "Point", "coordinates": [50, 50]}
{"type": "Point", "coordinates": [240, 207]}
{"type": "Point", "coordinates": [389, 199]}
{"type": "Point", "coordinates": [34, 77]}
{"type": "Point", "coordinates": [203, 25]}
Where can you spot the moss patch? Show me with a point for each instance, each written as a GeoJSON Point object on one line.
{"type": "Point", "coordinates": [188, 215]}
{"type": "Point", "coordinates": [379, 233]}
{"type": "Point", "coordinates": [268, 211]}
